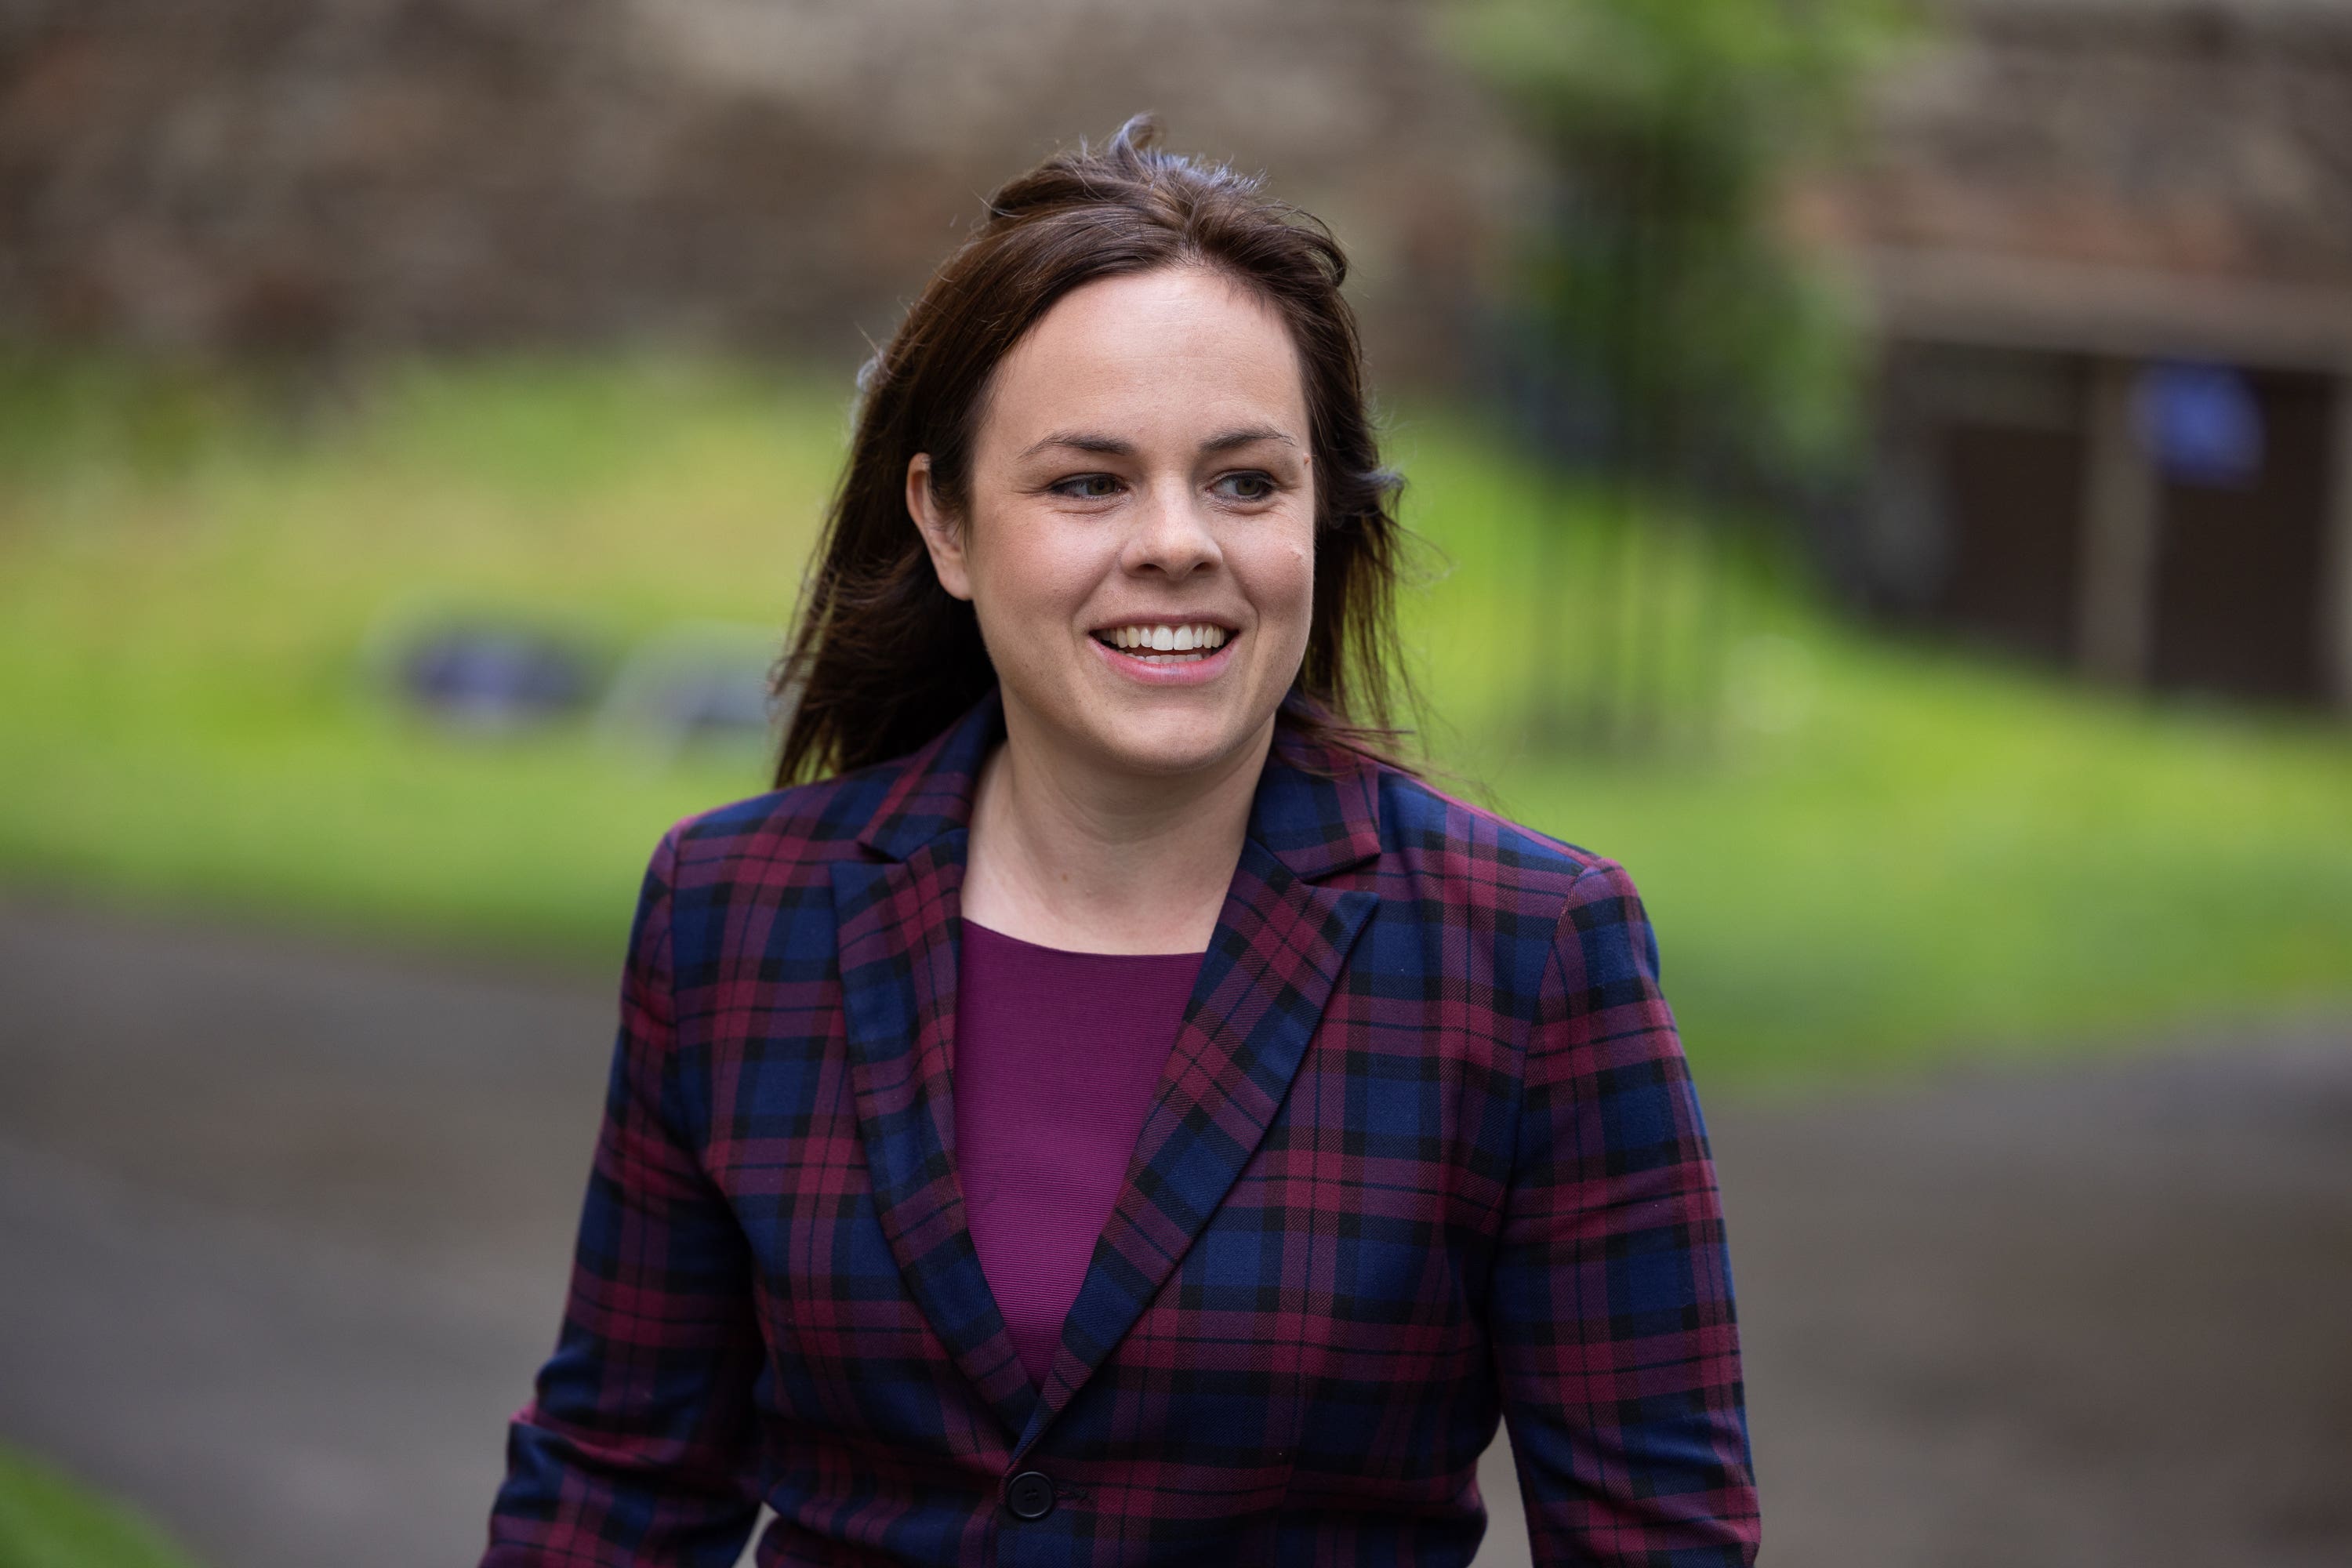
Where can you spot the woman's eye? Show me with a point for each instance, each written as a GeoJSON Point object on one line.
{"type": "Point", "coordinates": [1266, 485]}
{"type": "Point", "coordinates": [1063, 487]}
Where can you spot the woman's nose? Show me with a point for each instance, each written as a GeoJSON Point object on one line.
{"type": "Point", "coordinates": [1172, 533]}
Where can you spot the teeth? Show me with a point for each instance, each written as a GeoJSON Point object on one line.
{"type": "Point", "coordinates": [1170, 639]}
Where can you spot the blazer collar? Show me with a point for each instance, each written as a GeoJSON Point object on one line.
{"type": "Point", "coordinates": [1316, 809]}
{"type": "Point", "coordinates": [1280, 943]}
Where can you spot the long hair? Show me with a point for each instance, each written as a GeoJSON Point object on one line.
{"type": "Point", "coordinates": [881, 657]}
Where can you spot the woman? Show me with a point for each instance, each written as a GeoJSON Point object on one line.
{"type": "Point", "coordinates": [1115, 1114]}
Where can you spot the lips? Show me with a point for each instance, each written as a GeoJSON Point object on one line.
{"type": "Point", "coordinates": [1206, 648]}
{"type": "Point", "coordinates": [1162, 639]}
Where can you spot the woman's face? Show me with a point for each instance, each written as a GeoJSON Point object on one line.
{"type": "Point", "coordinates": [1140, 544]}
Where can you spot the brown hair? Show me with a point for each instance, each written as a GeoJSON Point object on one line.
{"type": "Point", "coordinates": [881, 657]}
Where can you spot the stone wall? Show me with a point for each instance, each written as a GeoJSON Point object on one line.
{"type": "Point", "coordinates": [330, 177]}
{"type": "Point", "coordinates": [2203, 139]}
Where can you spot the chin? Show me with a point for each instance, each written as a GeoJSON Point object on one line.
{"type": "Point", "coordinates": [1172, 748]}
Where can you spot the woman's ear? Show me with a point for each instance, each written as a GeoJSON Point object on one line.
{"type": "Point", "coordinates": [942, 533]}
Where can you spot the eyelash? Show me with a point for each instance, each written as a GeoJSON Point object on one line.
{"type": "Point", "coordinates": [1273, 486]}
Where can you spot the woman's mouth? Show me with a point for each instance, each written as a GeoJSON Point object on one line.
{"type": "Point", "coordinates": [1167, 642]}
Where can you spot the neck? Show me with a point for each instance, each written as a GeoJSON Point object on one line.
{"type": "Point", "coordinates": [1097, 862]}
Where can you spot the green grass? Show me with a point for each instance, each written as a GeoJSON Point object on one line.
{"type": "Point", "coordinates": [47, 1522]}
{"type": "Point", "coordinates": [182, 638]}
{"type": "Point", "coordinates": [1876, 855]}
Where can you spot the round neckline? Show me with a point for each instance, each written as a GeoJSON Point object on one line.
{"type": "Point", "coordinates": [1073, 953]}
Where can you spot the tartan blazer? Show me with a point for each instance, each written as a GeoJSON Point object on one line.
{"type": "Point", "coordinates": [1425, 1152]}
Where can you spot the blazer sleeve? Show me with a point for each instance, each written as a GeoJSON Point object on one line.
{"type": "Point", "coordinates": [1615, 1344]}
{"type": "Point", "coordinates": [636, 1445]}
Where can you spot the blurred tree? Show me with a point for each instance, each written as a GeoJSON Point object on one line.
{"type": "Point", "coordinates": [1663, 333]}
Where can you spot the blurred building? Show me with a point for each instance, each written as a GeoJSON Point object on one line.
{"type": "Point", "coordinates": [2107, 245]}
{"type": "Point", "coordinates": [329, 177]}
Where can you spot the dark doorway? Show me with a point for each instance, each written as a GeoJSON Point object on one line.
{"type": "Point", "coordinates": [2241, 548]}
{"type": "Point", "coordinates": [1981, 485]}
{"type": "Point", "coordinates": [2016, 500]}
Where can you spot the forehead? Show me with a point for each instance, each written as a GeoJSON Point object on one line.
{"type": "Point", "coordinates": [1168, 352]}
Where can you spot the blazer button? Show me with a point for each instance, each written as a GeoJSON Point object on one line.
{"type": "Point", "coordinates": [1031, 1495]}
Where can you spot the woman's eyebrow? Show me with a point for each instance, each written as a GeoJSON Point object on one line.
{"type": "Point", "coordinates": [1242, 436]}
{"type": "Point", "coordinates": [1111, 445]}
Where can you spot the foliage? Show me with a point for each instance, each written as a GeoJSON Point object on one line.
{"type": "Point", "coordinates": [1656, 271]}
{"type": "Point", "coordinates": [47, 1522]}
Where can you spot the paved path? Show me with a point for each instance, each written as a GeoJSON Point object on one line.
{"type": "Point", "coordinates": [283, 1229]}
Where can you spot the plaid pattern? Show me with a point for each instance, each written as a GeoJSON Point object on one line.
{"type": "Point", "coordinates": [1426, 1153]}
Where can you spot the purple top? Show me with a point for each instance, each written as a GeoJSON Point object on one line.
{"type": "Point", "coordinates": [1057, 1056]}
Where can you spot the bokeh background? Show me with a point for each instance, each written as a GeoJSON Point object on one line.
{"type": "Point", "coordinates": [1883, 471]}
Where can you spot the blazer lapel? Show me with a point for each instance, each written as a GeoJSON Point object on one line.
{"type": "Point", "coordinates": [1277, 951]}
{"type": "Point", "coordinates": [1280, 943]}
{"type": "Point", "coordinates": [899, 925]}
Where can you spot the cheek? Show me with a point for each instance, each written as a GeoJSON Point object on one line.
{"type": "Point", "coordinates": [1030, 567]}
{"type": "Point", "coordinates": [1282, 578]}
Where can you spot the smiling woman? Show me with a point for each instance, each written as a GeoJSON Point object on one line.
{"type": "Point", "coordinates": [1101, 1106]}
{"type": "Point", "coordinates": [1145, 591]}
{"type": "Point", "coordinates": [1163, 280]}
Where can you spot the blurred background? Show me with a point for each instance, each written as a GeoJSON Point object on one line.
{"type": "Point", "coordinates": [1883, 471]}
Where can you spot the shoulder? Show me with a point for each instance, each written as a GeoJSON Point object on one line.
{"type": "Point", "coordinates": [758, 870]}
{"type": "Point", "coordinates": [1458, 849]}
{"type": "Point", "coordinates": [1558, 919]}
{"type": "Point", "coordinates": [1554, 934]}
{"type": "Point", "coordinates": [1478, 904]}
{"type": "Point", "coordinates": [774, 842]}
{"type": "Point", "coordinates": [810, 822]}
